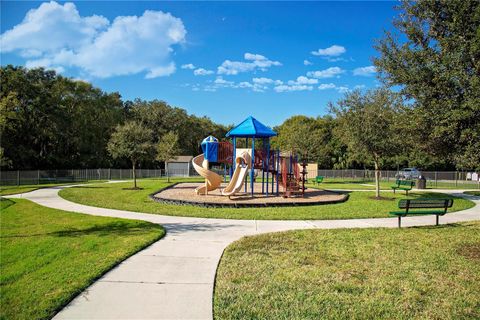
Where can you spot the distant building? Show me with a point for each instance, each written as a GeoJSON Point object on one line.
{"type": "Point", "coordinates": [179, 166]}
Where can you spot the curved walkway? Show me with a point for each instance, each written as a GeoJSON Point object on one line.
{"type": "Point", "coordinates": [174, 277]}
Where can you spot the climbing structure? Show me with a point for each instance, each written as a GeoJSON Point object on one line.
{"type": "Point", "coordinates": [292, 179]}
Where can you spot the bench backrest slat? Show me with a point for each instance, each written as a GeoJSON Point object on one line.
{"type": "Point", "coordinates": [425, 203]}
{"type": "Point", "coordinates": [409, 183]}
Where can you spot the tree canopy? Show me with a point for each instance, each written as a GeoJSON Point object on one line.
{"type": "Point", "coordinates": [167, 149]}
{"type": "Point", "coordinates": [132, 141]}
{"type": "Point", "coordinates": [434, 57]}
{"type": "Point", "coordinates": [369, 124]}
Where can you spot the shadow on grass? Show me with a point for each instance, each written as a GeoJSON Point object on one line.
{"type": "Point", "coordinates": [87, 187]}
{"type": "Point", "coordinates": [113, 228]}
{"type": "Point", "coordinates": [439, 227]}
{"type": "Point", "coordinates": [5, 203]}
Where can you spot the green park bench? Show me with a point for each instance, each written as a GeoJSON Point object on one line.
{"type": "Point", "coordinates": [406, 185]}
{"type": "Point", "coordinates": [427, 204]}
{"type": "Point", "coordinates": [318, 179]}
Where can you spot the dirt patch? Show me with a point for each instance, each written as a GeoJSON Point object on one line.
{"type": "Point", "coordinates": [137, 188]}
{"type": "Point", "coordinates": [470, 251]}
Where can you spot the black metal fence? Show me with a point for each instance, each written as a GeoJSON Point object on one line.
{"type": "Point", "coordinates": [432, 177]}
{"type": "Point", "coordinates": [25, 177]}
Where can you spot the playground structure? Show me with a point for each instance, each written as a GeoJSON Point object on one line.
{"type": "Point", "coordinates": [256, 155]}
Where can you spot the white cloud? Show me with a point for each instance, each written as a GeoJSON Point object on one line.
{"type": "Point", "coordinates": [263, 80]}
{"type": "Point", "coordinates": [359, 86]}
{"type": "Point", "coordinates": [332, 51]}
{"type": "Point", "coordinates": [161, 71]}
{"type": "Point", "coordinates": [220, 80]}
{"type": "Point", "coordinates": [365, 71]}
{"type": "Point", "coordinates": [342, 89]}
{"type": "Point", "coordinates": [255, 61]}
{"type": "Point", "coordinates": [56, 36]}
{"type": "Point", "coordinates": [202, 72]}
{"type": "Point", "coordinates": [52, 27]}
{"type": "Point", "coordinates": [325, 86]}
{"type": "Point", "coordinates": [327, 73]}
{"type": "Point", "coordinates": [303, 80]}
{"type": "Point", "coordinates": [307, 63]}
{"type": "Point", "coordinates": [245, 84]}
{"type": "Point", "coordinates": [288, 88]}
{"type": "Point", "coordinates": [188, 66]}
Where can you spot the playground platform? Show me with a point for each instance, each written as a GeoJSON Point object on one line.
{"type": "Point", "coordinates": [184, 194]}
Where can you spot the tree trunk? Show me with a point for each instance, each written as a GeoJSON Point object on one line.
{"type": "Point", "coordinates": [377, 180]}
{"type": "Point", "coordinates": [168, 175]}
{"type": "Point", "coordinates": [134, 176]}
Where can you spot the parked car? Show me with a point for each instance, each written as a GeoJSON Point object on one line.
{"type": "Point", "coordinates": [408, 174]}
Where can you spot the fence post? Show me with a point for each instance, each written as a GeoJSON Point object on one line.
{"type": "Point", "coordinates": [109, 173]}
{"type": "Point", "coordinates": [436, 185]}
{"type": "Point", "coordinates": [456, 180]}
{"type": "Point", "coordinates": [38, 176]}
{"type": "Point", "coordinates": [18, 177]}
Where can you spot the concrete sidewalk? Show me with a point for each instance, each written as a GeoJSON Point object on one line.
{"type": "Point", "coordinates": [174, 277]}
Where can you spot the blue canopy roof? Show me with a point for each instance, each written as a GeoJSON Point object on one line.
{"type": "Point", "coordinates": [251, 127]}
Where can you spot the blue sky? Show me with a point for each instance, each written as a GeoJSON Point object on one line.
{"type": "Point", "coordinates": [225, 60]}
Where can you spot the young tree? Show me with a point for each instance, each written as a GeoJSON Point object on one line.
{"type": "Point", "coordinates": [368, 124]}
{"type": "Point", "coordinates": [435, 59]}
{"type": "Point", "coordinates": [167, 148]}
{"type": "Point", "coordinates": [133, 141]}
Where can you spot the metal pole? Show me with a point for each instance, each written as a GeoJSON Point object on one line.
{"type": "Point", "coordinates": [18, 177]}
{"type": "Point", "coordinates": [278, 167]}
{"type": "Point", "coordinates": [38, 176]}
{"type": "Point", "coordinates": [253, 166]}
{"type": "Point", "coordinates": [206, 181]}
{"type": "Point", "coordinates": [268, 162]}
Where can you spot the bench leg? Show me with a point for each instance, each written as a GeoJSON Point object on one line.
{"type": "Point", "coordinates": [399, 221]}
{"type": "Point", "coordinates": [437, 219]}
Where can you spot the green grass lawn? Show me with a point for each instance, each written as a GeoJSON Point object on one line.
{"type": "Point", "coordinates": [9, 190]}
{"type": "Point", "coordinates": [352, 184]}
{"type": "Point", "coordinates": [48, 256]}
{"type": "Point", "coordinates": [359, 205]}
{"type": "Point", "coordinates": [412, 273]}
{"type": "Point", "coordinates": [473, 193]}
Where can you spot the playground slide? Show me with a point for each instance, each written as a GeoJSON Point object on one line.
{"type": "Point", "coordinates": [213, 179]}
{"type": "Point", "coordinates": [236, 183]}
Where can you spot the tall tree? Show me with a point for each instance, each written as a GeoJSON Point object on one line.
{"type": "Point", "coordinates": [309, 137]}
{"type": "Point", "coordinates": [167, 149]}
{"type": "Point", "coordinates": [133, 141]}
{"type": "Point", "coordinates": [368, 125]}
{"type": "Point", "coordinates": [435, 59]}
{"type": "Point", "coordinates": [51, 122]}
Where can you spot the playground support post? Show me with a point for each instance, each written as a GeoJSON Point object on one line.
{"type": "Point", "coordinates": [268, 163]}
{"type": "Point", "coordinates": [252, 168]}
{"type": "Point", "coordinates": [234, 152]}
{"type": "Point", "coordinates": [278, 167]}
{"type": "Point", "coordinates": [246, 147]}
{"type": "Point", "coordinates": [206, 181]}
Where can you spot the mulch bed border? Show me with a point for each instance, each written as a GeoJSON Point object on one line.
{"type": "Point", "coordinates": [208, 204]}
